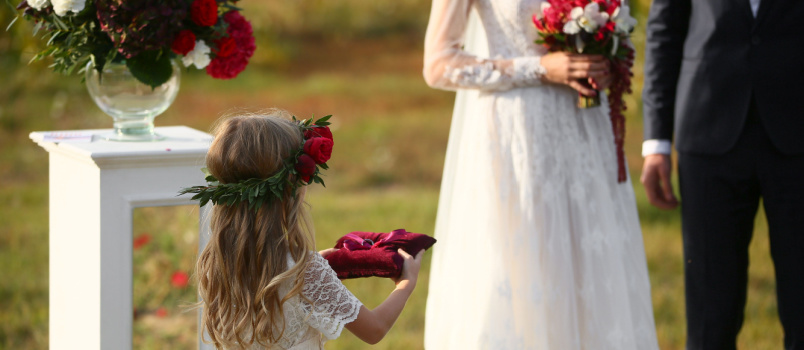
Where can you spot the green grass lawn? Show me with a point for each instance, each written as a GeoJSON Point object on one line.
{"type": "Point", "coordinates": [390, 132]}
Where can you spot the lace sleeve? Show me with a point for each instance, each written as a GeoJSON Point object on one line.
{"type": "Point", "coordinates": [447, 66]}
{"type": "Point", "coordinates": [333, 306]}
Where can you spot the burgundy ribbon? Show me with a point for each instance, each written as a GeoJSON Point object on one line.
{"type": "Point", "coordinates": [354, 242]}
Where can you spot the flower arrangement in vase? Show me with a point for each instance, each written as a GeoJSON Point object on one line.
{"type": "Point", "coordinates": [127, 50]}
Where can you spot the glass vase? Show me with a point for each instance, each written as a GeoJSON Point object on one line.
{"type": "Point", "coordinates": [131, 104]}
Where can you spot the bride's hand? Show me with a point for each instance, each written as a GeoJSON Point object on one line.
{"type": "Point", "coordinates": [569, 69]}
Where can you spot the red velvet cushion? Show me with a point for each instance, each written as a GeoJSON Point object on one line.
{"type": "Point", "coordinates": [367, 254]}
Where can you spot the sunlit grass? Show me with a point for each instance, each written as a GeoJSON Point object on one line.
{"type": "Point", "coordinates": [390, 134]}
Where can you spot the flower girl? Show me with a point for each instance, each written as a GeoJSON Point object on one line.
{"type": "Point", "coordinates": [261, 283]}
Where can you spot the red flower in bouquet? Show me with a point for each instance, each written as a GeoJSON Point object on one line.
{"type": "Point", "coordinates": [183, 43]}
{"type": "Point", "coordinates": [319, 148]}
{"type": "Point", "coordinates": [239, 29]}
{"type": "Point", "coordinates": [225, 47]}
{"type": "Point", "coordinates": [204, 12]}
{"type": "Point", "coordinates": [596, 27]}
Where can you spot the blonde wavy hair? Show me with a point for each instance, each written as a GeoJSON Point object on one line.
{"type": "Point", "coordinates": [241, 269]}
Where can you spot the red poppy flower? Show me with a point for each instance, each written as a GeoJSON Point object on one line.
{"type": "Point", "coordinates": [141, 240]}
{"type": "Point", "coordinates": [179, 279]}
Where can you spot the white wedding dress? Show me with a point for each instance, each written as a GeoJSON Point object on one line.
{"type": "Point", "coordinates": [539, 246]}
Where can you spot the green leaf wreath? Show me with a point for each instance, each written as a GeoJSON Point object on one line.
{"type": "Point", "coordinates": [256, 191]}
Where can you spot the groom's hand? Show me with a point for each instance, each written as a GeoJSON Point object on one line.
{"type": "Point", "coordinates": [656, 179]}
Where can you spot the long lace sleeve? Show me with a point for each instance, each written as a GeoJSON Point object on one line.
{"type": "Point", "coordinates": [447, 66]}
{"type": "Point", "coordinates": [331, 305]}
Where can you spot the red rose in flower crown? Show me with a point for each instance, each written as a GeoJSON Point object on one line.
{"type": "Point", "coordinates": [319, 148]}
{"type": "Point", "coordinates": [183, 43]}
{"type": "Point", "coordinates": [318, 132]}
{"type": "Point", "coordinates": [305, 165]}
{"type": "Point", "coordinates": [204, 12]}
{"type": "Point", "coordinates": [227, 67]}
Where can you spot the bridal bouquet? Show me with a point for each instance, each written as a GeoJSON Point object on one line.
{"type": "Point", "coordinates": [595, 27]}
{"type": "Point", "coordinates": [145, 34]}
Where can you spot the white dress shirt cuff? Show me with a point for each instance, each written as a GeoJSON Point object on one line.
{"type": "Point", "coordinates": [656, 147]}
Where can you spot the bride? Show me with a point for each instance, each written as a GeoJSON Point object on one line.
{"type": "Point", "coordinates": [539, 245]}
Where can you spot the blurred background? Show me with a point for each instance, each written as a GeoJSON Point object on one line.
{"type": "Point", "coordinates": [359, 60]}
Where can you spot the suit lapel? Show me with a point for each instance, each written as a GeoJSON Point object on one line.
{"type": "Point", "coordinates": [747, 11]}
{"type": "Point", "coordinates": [764, 7]}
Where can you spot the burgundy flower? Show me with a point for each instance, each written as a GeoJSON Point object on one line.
{"type": "Point", "coordinates": [184, 42]}
{"type": "Point", "coordinates": [137, 26]}
{"type": "Point", "coordinates": [179, 279]}
{"type": "Point", "coordinates": [230, 66]}
{"type": "Point", "coordinates": [225, 47]}
{"type": "Point", "coordinates": [204, 12]}
{"type": "Point", "coordinates": [319, 148]}
{"type": "Point", "coordinates": [305, 166]}
{"type": "Point", "coordinates": [319, 132]}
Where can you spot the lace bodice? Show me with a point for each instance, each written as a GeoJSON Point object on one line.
{"type": "Point", "coordinates": [514, 59]}
{"type": "Point", "coordinates": [331, 306]}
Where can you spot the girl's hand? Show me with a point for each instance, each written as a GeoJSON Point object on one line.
{"type": "Point", "coordinates": [410, 270]}
{"type": "Point", "coordinates": [326, 252]}
{"type": "Point", "coordinates": [570, 69]}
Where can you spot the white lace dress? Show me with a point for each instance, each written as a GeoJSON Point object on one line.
{"type": "Point", "coordinates": [308, 325]}
{"type": "Point", "coordinates": [539, 246]}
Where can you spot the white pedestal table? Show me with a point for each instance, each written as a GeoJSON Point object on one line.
{"type": "Point", "coordinates": [94, 187]}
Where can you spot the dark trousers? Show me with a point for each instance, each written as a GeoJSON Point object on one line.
{"type": "Point", "coordinates": [720, 196]}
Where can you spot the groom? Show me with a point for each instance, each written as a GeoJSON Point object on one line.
{"type": "Point", "coordinates": [726, 78]}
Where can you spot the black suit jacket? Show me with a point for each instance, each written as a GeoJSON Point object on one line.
{"type": "Point", "coordinates": [706, 58]}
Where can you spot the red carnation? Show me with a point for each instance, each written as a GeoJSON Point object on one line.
{"type": "Point", "coordinates": [183, 43]}
{"type": "Point", "coordinates": [305, 166]}
{"type": "Point", "coordinates": [322, 131]}
{"type": "Point", "coordinates": [204, 12]}
{"type": "Point", "coordinates": [230, 66]}
{"type": "Point", "coordinates": [226, 47]}
{"type": "Point", "coordinates": [179, 279]}
{"type": "Point", "coordinates": [319, 148]}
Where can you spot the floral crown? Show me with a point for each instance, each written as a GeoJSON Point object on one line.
{"type": "Point", "coordinates": [301, 168]}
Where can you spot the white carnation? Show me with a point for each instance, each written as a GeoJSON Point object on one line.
{"type": "Point", "coordinates": [61, 7]}
{"type": "Point", "coordinates": [38, 4]}
{"type": "Point", "coordinates": [198, 57]}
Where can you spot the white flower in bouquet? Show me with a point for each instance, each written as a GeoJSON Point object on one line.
{"type": "Point", "coordinates": [38, 4]}
{"type": "Point", "coordinates": [61, 7]}
{"type": "Point", "coordinates": [198, 57]}
{"type": "Point", "coordinates": [588, 18]}
{"type": "Point", "coordinates": [623, 20]}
